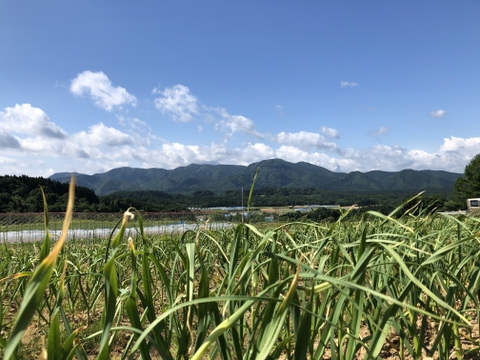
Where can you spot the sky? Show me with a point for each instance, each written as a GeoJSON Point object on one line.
{"type": "Point", "coordinates": [88, 86]}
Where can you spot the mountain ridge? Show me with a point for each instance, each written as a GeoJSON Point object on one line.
{"type": "Point", "coordinates": [274, 173]}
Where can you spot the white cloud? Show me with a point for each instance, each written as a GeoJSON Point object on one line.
{"type": "Point", "coordinates": [99, 134]}
{"type": "Point", "coordinates": [330, 133]}
{"type": "Point", "coordinates": [38, 146]}
{"type": "Point", "coordinates": [208, 118]}
{"type": "Point", "coordinates": [100, 89]}
{"type": "Point", "coordinates": [7, 161]}
{"type": "Point", "coordinates": [294, 154]}
{"type": "Point", "coordinates": [348, 84]}
{"type": "Point", "coordinates": [279, 109]}
{"type": "Point", "coordinates": [15, 166]}
{"type": "Point", "coordinates": [468, 147]}
{"type": "Point", "coordinates": [304, 140]}
{"type": "Point", "coordinates": [26, 119]}
{"type": "Point", "coordinates": [438, 113]}
{"type": "Point", "coordinates": [30, 139]}
{"type": "Point", "coordinates": [39, 138]}
{"type": "Point", "coordinates": [452, 156]}
{"type": "Point", "coordinates": [133, 123]}
{"type": "Point", "coordinates": [237, 124]}
{"type": "Point", "coordinates": [9, 141]}
{"type": "Point", "coordinates": [251, 153]}
{"type": "Point", "coordinates": [105, 148]}
{"type": "Point", "coordinates": [382, 130]}
{"type": "Point", "coordinates": [178, 102]}
{"type": "Point", "coordinates": [172, 155]}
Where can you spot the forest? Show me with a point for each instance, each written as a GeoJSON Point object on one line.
{"type": "Point", "coordinates": [21, 194]}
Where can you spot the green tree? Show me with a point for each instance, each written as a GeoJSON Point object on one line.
{"type": "Point", "coordinates": [469, 186]}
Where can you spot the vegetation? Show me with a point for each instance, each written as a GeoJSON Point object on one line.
{"type": "Point", "coordinates": [23, 194]}
{"type": "Point", "coordinates": [406, 285]}
{"type": "Point", "coordinates": [274, 173]}
{"type": "Point", "coordinates": [469, 186]}
{"type": "Point", "coordinates": [20, 194]}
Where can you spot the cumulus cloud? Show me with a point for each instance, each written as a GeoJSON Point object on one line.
{"type": "Point", "coordinates": [330, 133]}
{"type": "Point", "coordinates": [99, 87]}
{"type": "Point", "coordinates": [348, 84]}
{"type": "Point", "coordinates": [469, 147]}
{"type": "Point", "coordinates": [172, 155]}
{"type": "Point", "coordinates": [251, 153]}
{"type": "Point", "coordinates": [82, 154]}
{"type": "Point", "coordinates": [438, 113]}
{"type": "Point", "coordinates": [106, 148]}
{"type": "Point", "coordinates": [9, 141]}
{"type": "Point", "coordinates": [237, 124]}
{"type": "Point", "coordinates": [26, 119]}
{"type": "Point", "coordinates": [41, 146]}
{"type": "Point", "coordinates": [26, 130]}
{"type": "Point", "coordinates": [178, 102]}
{"type": "Point", "coordinates": [99, 134]}
{"type": "Point", "coordinates": [304, 140]}
{"type": "Point", "coordinates": [183, 106]}
{"type": "Point", "coordinates": [294, 154]}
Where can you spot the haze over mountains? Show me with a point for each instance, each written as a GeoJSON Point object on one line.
{"type": "Point", "coordinates": [273, 173]}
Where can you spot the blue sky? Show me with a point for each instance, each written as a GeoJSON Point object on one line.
{"type": "Point", "coordinates": [348, 85]}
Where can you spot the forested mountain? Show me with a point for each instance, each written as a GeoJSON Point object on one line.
{"type": "Point", "coordinates": [22, 194]}
{"type": "Point", "coordinates": [274, 173]}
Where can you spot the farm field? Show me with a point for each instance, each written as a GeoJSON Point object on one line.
{"type": "Point", "coordinates": [382, 287]}
{"type": "Point", "coordinates": [101, 227]}
{"type": "Point", "coordinates": [35, 221]}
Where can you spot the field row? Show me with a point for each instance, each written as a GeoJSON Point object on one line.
{"type": "Point", "coordinates": [390, 287]}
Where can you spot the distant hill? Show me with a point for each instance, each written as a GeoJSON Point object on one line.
{"type": "Point", "coordinates": [274, 173]}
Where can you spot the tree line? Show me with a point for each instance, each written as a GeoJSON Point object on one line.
{"type": "Point", "coordinates": [23, 194]}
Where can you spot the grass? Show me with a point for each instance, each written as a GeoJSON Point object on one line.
{"type": "Point", "coordinates": [404, 287]}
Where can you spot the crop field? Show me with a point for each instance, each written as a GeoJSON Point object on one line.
{"type": "Point", "coordinates": [18, 227]}
{"type": "Point", "coordinates": [383, 287]}
{"type": "Point", "coordinates": [35, 221]}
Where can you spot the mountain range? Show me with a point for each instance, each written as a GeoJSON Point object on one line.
{"type": "Point", "coordinates": [273, 173]}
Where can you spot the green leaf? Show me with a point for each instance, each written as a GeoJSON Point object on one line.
{"type": "Point", "coordinates": [54, 348]}
{"type": "Point", "coordinates": [46, 242]}
{"type": "Point", "coordinates": [38, 283]}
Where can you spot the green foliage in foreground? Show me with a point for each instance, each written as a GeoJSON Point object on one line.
{"type": "Point", "coordinates": [345, 289]}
